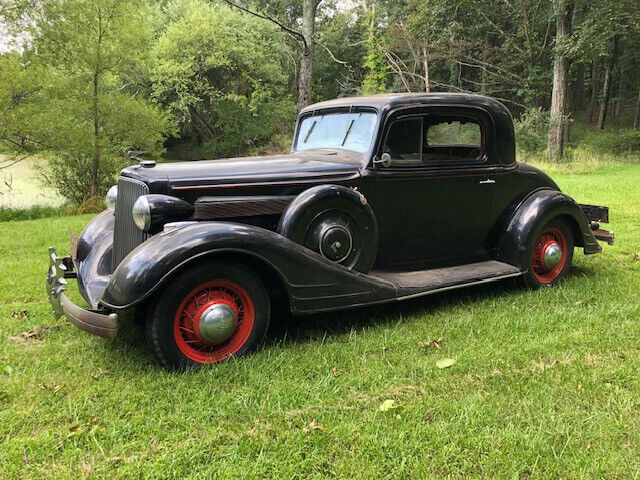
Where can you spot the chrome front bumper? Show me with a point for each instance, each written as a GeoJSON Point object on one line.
{"type": "Point", "coordinates": [93, 321]}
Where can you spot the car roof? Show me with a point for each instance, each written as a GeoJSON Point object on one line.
{"type": "Point", "coordinates": [500, 115]}
{"type": "Point", "coordinates": [393, 100]}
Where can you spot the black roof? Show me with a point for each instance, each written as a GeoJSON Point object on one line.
{"type": "Point", "coordinates": [392, 100]}
{"type": "Point", "coordinates": [500, 115]}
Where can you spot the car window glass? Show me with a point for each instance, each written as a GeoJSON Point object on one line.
{"type": "Point", "coordinates": [454, 133]}
{"type": "Point", "coordinates": [349, 131]}
{"type": "Point", "coordinates": [451, 139]}
{"type": "Point", "coordinates": [404, 140]}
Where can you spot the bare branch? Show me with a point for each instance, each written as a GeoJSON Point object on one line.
{"type": "Point", "coordinates": [12, 161]}
{"type": "Point", "coordinates": [333, 57]}
{"type": "Point", "coordinates": [462, 90]}
{"type": "Point", "coordinates": [294, 33]}
{"type": "Point", "coordinates": [398, 70]}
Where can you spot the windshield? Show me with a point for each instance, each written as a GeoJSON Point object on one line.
{"type": "Point", "coordinates": [349, 131]}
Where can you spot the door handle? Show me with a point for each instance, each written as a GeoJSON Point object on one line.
{"type": "Point", "coordinates": [486, 182]}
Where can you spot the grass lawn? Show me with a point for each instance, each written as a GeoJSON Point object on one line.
{"type": "Point", "coordinates": [545, 382]}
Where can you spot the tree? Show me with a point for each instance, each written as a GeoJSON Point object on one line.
{"type": "Point", "coordinates": [305, 36]}
{"type": "Point", "coordinates": [375, 62]}
{"type": "Point", "coordinates": [560, 69]}
{"type": "Point", "coordinates": [222, 74]}
{"type": "Point", "coordinates": [84, 57]}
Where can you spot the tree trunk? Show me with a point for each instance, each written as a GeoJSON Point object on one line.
{"type": "Point", "coordinates": [636, 119]}
{"type": "Point", "coordinates": [93, 190]}
{"type": "Point", "coordinates": [616, 112]}
{"type": "Point", "coordinates": [484, 76]}
{"type": "Point", "coordinates": [558, 94]}
{"type": "Point", "coordinates": [309, 8]}
{"type": "Point", "coordinates": [578, 88]}
{"type": "Point", "coordinates": [594, 91]}
{"type": "Point", "coordinates": [606, 88]}
{"type": "Point", "coordinates": [425, 62]}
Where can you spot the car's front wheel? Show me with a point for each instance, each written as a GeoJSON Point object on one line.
{"type": "Point", "coordinates": [549, 254]}
{"type": "Point", "coordinates": [207, 314]}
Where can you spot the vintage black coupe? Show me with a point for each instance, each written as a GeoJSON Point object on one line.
{"type": "Point", "coordinates": [382, 198]}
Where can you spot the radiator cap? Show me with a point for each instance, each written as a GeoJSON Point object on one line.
{"type": "Point", "coordinates": [147, 163]}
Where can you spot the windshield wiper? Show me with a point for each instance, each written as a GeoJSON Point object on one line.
{"type": "Point", "coordinates": [348, 132]}
{"type": "Point", "coordinates": [315, 122]}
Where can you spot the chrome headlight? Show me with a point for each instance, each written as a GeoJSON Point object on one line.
{"type": "Point", "coordinates": [112, 196]}
{"type": "Point", "coordinates": [141, 213]}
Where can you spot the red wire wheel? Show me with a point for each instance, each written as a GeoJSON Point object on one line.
{"type": "Point", "coordinates": [186, 327]}
{"type": "Point", "coordinates": [545, 264]}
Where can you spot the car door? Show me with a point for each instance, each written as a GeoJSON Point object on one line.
{"type": "Point", "coordinates": [434, 199]}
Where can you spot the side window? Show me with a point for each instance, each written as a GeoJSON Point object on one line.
{"type": "Point", "coordinates": [450, 138]}
{"type": "Point", "coordinates": [404, 141]}
{"type": "Point", "coordinates": [454, 133]}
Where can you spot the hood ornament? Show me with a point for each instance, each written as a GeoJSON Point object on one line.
{"type": "Point", "coordinates": [134, 154]}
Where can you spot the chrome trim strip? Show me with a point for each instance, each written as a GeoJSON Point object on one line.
{"type": "Point", "coordinates": [352, 177]}
{"type": "Point", "coordinates": [454, 287]}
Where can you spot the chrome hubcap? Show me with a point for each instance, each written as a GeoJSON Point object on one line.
{"type": "Point", "coordinates": [552, 255]}
{"type": "Point", "coordinates": [217, 323]}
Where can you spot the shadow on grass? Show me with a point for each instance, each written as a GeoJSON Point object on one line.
{"type": "Point", "coordinates": [288, 329]}
{"type": "Point", "coordinates": [130, 349]}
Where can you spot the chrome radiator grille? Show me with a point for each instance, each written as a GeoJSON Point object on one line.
{"type": "Point", "coordinates": [126, 235]}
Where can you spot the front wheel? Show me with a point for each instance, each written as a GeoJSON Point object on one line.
{"type": "Point", "coordinates": [207, 314]}
{"type": "Point", "coordinates": [549, 254]}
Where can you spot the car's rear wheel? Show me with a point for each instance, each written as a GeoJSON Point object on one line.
{"type": "Point", "coordinates": [549, 254]}
{"type": "Point", "coordinates": [207, 314]}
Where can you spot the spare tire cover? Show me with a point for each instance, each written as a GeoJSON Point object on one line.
{"type": "Point", "coordinates": [336, 222]}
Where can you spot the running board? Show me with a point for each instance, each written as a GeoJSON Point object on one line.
{"type": "Point", "coordinates": [424, 282]}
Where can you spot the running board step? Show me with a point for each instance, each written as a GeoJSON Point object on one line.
{"type": "Point", "coordinates": [421, 282]}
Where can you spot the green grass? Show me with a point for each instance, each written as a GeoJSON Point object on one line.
{"type": "Point", "coordinates": [545, 383]}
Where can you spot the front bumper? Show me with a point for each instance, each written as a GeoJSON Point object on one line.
{"type": "Point", "coordinates": [96, 322]}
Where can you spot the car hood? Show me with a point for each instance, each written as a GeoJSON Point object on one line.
{"type": "Point", "coordinates": [313, 165]}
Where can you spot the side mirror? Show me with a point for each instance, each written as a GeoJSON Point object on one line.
{"type": "Point", "coordinates": [383, 161]}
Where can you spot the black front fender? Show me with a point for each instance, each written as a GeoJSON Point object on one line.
{"type": "Point", "coordinates": [93, 257]}
{"type": "Point", "coordinates": [536, 210]}
{"type": "Point", "coordinates": [313, 283]}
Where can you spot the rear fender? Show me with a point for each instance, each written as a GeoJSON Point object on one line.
{"type": "Point", "coordinates": [536, 210]}
{"type": "Point", "coordinates": [312, 282]}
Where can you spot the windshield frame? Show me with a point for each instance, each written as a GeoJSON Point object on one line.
{"type": "Point", "coordinates": [332, 110]}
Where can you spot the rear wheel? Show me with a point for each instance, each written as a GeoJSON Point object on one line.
{"type": "Point", "coordinates": [549, 254]}
{"type": "Point", "coordinates": [207, 314]}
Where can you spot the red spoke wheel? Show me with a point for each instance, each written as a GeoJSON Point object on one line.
{"type": "Point", "coordinates": [550, 254]}
{"type": "Point", "coordinates": [207, 314]}
{"type": "Point", "coordinates": [231, 311]}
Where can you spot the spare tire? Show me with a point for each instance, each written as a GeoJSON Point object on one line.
{"type": "Point", "coordinates": [336, 222]}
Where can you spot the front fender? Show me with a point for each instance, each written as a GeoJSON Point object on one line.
{"type": "Point", "coordinates": [313, 283]}
{"type": "Point", "coordinates": [93, 257]}
{"type": "Point", "coordinates": [537, 209]}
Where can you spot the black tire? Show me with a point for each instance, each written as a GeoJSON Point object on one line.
{"type": "Point", "coordinates": [320, 212]}
{"type": "Point", "coordinates": [172, 341]}
{"type": "Point", "coordinates": [537, 274]}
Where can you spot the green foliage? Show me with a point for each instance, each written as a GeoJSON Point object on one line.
{"type": "Point", "coordinates": [343, 33]}
{"type": "Point", "coordinates": [612, 142]}
{"type": "Point", "coordinates": [74, 96]}
{"type": "Point", "coordinates": [532, 131]}
{"type": "Point", "coordinates": [222, 74]}
{"type": "Point", "coordinates": [375, 62]}
{"type": "Point", "coordinates": [31, 213]}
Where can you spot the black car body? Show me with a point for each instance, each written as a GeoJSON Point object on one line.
{"type": "Point", "coordinates": [381, 198]}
